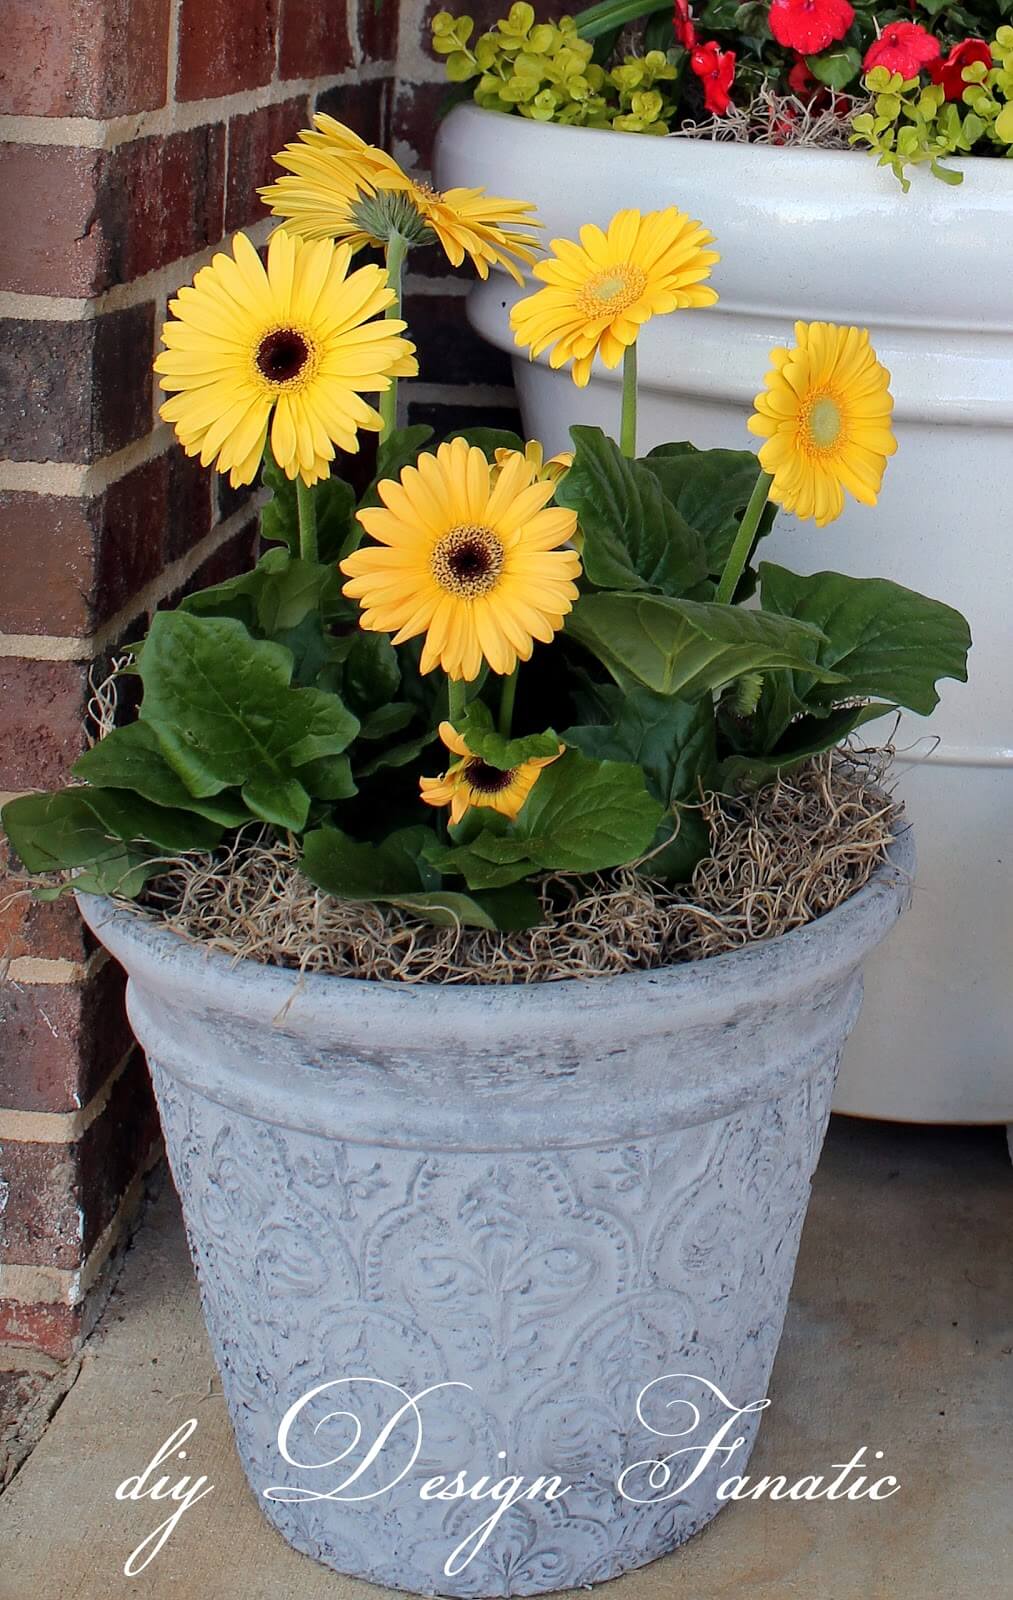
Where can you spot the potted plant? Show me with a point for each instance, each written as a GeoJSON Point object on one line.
{"type": "Point", "coordinates": [825, 232]}
{"type": "Point", "coordinates": [461, 1236]}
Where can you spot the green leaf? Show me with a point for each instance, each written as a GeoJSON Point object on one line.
{"type": "Point", "coordinates": [279, 520]}
{"type": "Point", "coordinates": [112, 833]}
{"type": "Point", "coordinates": [836, 67]}
{"type": "Point", "coordinates": [806, 737]}
{"type": "Point", "coordinates": [400, 450]}
{"type": "Point", "coordinates": [581, 816]}
{"type": "Point", "coordinates": [686, 647]}
{"type": "Point", "coordinates": [385, 720]}
{"type": "Point", "coordinates": [489, 440]}
{"type": "Point", "coordinates": [882, 641]}
{"type": "Point", "coordinates": [672, 741]}
{"type": "Point", "coordinates": [396, 755]}
{"type": "Point", "coordinates": [328, 778]}
{"type": "Point", "coordinates": [395, 872]}
{"type": "Point", "coordinates": [634, 538]}
{"type": "Point", "coordinates": [226, 716]}
{"type": "Point", "coordinates": [710, 489]}
{"type": "Point", "coordinates": [131, 758]}
{"type": "Point", "coordinates": [372, 674]}
{"type": "Point", "coordinates": [607, 14]}
{"type": "Point", "coordinates": [477, 730]}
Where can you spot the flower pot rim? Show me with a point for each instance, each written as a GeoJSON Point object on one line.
{"type": "Point", "coordinates": [757, 963]}
{"type": "Point", "coordinates": [805, 157]}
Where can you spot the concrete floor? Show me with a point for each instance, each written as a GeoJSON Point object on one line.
{"type": "Point", "coordinates": [899, 1337]}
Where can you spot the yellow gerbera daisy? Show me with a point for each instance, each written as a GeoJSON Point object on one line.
{"type": "Point", "coordinates": [474, 565]}
{"type": "Point", "coordinates": [473, 782]}
{"type": "Point", "coordinates": [548, 471]}
{"type": "Point", "coordinates": [599, 293]}
{"type": "Point", "coordinates": [295, 340]}
{"type": "Point", "coordinates": [825, 415]}
{"type": "Point", "coordinates": [331, 169]}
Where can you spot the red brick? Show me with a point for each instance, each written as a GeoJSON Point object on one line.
{"type": "Point", "coordinates": [314, 39]}
{"type": "Point", "coordinates": [61, 1041]}
{"type": "Point", "coordinates": [56, 247]}
{"type": "Point", "coordinates": [47, 550]}
{"type": "Point", "coordinates": [101, 217]}
{"type": "Point", "coordinates": [62, 1196]}
{"type": "Point", "coordinates": [43, 705]}
{"type": "Point", "coordinates": [253, 140]}
{"type": "Point", "coordinates": [362, 106]}
{"type": "Point", "coordinates": [161, 198]}
{"type": "Point", "coordinates": [70, 564]}
{"type": "Point", "coordinates": [50, 929]}
{"type": "Point", "coordinates": [66, 58]}
{"type": "Point", "coordinates": [75, 391]}
{"type": "Point", "coordinates": [377, 30]}
{"type": "Point", "coordinates": [56, 1330]}
{"type": "Point", "coordinates": [417, 111]}
{"type": "Point", "coordinates": [224, 46]}
{"type": "Point", "coordinates": [188, 517]}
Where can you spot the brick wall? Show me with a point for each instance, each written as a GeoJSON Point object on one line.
{"type": "Point", "coordinates": [133, 134]}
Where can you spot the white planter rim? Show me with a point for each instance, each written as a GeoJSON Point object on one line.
{"type": "Point", "coordinates": [856, 170]}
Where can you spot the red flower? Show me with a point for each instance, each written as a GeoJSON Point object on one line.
{"type": "Point", "coordinates": [716, 70]}
{"type": "Point", "coordinates": [682, 22]}
{"type": "Point", "coordinates": [801, 80]}
{"type": "Point", "coordinates": [950, 72]}
{"type": "Point", "coordinates": [810, 25]}
{"type": "Point", "coordinates": [902, 47]}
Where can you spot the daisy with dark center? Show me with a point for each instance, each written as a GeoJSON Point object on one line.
{"type": "Point", "coordinates": [470, 781]}
{"type": "Point", "coordinates": [290, 349]}
{"type": "Point", "coordinates": [474, 563]}
{"type": "Point", "coordinates": [599, 294]}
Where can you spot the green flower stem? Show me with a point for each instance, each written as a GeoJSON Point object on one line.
{"type": "Point", "coordinates": [628, 425]}
{"type": "Point", "coordinates": [506, 704]}
{"type": "Point", "coordinates": [307, 507]}
{"type": "Point", "coordinates": [397, 249]}
{"type": "Point", "coordinates": [457, 700]}
{"type": "Point", "coordinates": [735, 565]}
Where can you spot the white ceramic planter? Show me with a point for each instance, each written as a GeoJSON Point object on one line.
{"type": "Point", "coordinates": [814, 234]}
{"type": "Point", "coordinates": [555, 1195]}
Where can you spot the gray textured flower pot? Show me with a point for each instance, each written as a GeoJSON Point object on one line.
{"type": "Point", "coordinates": [555, 1195]}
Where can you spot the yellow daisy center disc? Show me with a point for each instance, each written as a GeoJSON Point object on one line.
{"type": "Point", "coordinates": [612, 290]}
{"type": "Point", "coordinates": [285, 359]}
{"type": "Point", "coordinates": [467, 561]}
{"type": "Point", "coordinates": [822, 424]}
{"type": "Point", "coordinates": [485, 779]}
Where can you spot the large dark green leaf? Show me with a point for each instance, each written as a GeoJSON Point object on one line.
{"type": "Point", "coordinates": [131, 758]}
{"type": "Point", "coordinates": [710, 489]}
{"type": "Point", "coordinates": [685, 647]}
{"type": "Point", "coordinates": [226, 715]}
{"type": "Point", "coordinates": [804, 738]}
{"type": "Point", "coordinates": [115, 835]}
{"type": "Point", "coordinates": [883, 641]}
{"type": "Point", "coordinates": [395, 872]}
{"type": "Point", "coordinates": [673, 743]}
{"type": "Point", "coordinates": [634, 538]}
{"type": "Point", "coordinates": [581, 816]}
